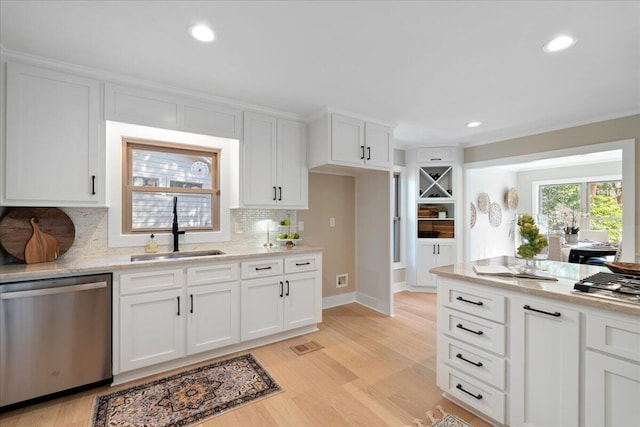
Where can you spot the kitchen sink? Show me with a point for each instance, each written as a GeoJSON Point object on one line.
{"type": "Point", "coordinates": [174, 255]}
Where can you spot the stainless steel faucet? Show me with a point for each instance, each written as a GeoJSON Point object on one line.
{"type": "Point", "coordinates": [174, 229]}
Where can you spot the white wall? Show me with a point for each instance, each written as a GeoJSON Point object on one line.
{"type": "Point", "coordinates": [483, 240]}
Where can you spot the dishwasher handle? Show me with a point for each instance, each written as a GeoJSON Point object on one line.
{"type": "Point", "coordinates": [53, 290]}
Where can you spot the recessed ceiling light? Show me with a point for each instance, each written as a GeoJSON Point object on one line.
{"type": "Point", "coordinates": [559, 43]}
{"type": "Point", "coordinates": [202, 33]}
{"type": "Point", "coordinates": [473, 124]}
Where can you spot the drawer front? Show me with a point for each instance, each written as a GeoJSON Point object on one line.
{"type": "Point", "coordinates": [474, 330]}
{"type": "Point", "coordinates": [436, 154]}
{"type": "Point", "coordinates": [300, 264]}
{"type": "Point", "coordinates": [216, 273]}
{"type": "Point", "coordinates": [614, 336]}
{"type": "Point", "coordinates": [261, 268]}
{"type": "Point", "coordinates": [472, 392]}
{"type": "Point", "coordinates": [477, 363]}
{"type": "Point", "coordinates": [474, 300]}
{"type": "Point", "coordinates": [149, 281]}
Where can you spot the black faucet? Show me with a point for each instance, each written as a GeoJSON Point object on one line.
{"type": "Point", "coordinates": [174, 229]}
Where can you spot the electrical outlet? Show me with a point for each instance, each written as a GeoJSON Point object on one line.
{"type": "Point", "coordinates": [332, 222]}
{"type": "Point", "coordinates": [342, 280]}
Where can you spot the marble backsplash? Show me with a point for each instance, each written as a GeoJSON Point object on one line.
{"type": "Point", "coordinates": [91, 224]}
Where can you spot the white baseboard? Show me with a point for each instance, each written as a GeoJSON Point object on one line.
{"type": "Point", "coordinates": [373, 303]}
{"type": "Point", "coordinates": [425, 289]}
{"type": "Point", "coordinates": [336, 300]}
{"type": "Point", "coordinates": [399, 287]}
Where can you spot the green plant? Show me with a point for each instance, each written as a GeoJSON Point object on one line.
{"type": "Point", "coordinates": [442, 209]}
{"type": "Point", "coordinates": [573, 228]}
{"type": "Point", "coordinates": [534, 241]}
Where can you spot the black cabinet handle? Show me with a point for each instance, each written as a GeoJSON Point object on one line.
{"type": "Point", "coordinates": [436, 158]}
{"type": "Point", "coordinates": [469, 301]}
{"type": "Point", "coordinates": [191, 296]}
{"type": "Point", "coordinates": [368, 153]}
{"type": "Point", "coordinates": [459, 326]}
{"type": "Point", "coordinates": [281, 289]}
{"type": "Point", "coordinates": [93, 185]}
{"type": "Point", "coordinates": [298, 264]}
{"type": "Point", "coordinates": [434, 249]}
{"type": "Point", "coordinates": [438, 248]}
{"type": "Point", "coordinates": [478, 364]}
{"type": "Point", "coordinates": [362, 156]}
{"type": "Point", "coordinates": [554, 314]}
{"type": "Point", "coordinates": [280, 189]}
{"type": "Point", "coordinates": [263, 268]}
{"type": "Point", "coordinates": [178, 306]}
{"type": "Point", "coordinates": [275, 193]}
{"type": "Point", "coordinates": [477, 396]}
{"type": "Point", "coordinates": [287, 287]}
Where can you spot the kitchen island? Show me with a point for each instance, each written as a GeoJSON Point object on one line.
{"type": "Point", "coordinates": [531, 352]}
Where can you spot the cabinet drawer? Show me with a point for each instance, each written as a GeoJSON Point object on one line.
{"type": "Point", "coordinates": [215, 273]}
{"type": "Point", "coordinates": [614, 336]}
{"type": "Point", "coordinates": [436, 154]}
{"type": "Point", "coordinates": [261, 268]}
{"type": "Point", "coordinates": [148, 281]}
{"type": "Point", "coordinates": [474, 301]}
{"type": "Point", "coordinates": [475, 362]}
{"type": "Point", "coordinates": [301, 263]}
{"type": "Point", "coordinates": [474, 330]}
{"type": "Point", "coordinates": [472, 392]}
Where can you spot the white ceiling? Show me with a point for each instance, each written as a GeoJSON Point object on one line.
{"type": "Point", "coordinates": [427, 67]}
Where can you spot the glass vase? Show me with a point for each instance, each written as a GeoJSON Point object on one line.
{"type": "Point", "coordinates": [531, 241]}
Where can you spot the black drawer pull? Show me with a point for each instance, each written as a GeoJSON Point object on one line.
{"type": "Point", "coordinates": [459, 326]}
{"type": "Point", "coordinates": [469, 301]}
{"type": "Point", "coordinates": [478, 364]}
{"type": "Point", "coordinates": [178, 306]}
{"type": "Point", "coordinates": [554, 314]}
{"type": "Point", "coordinates": [436, 158]}
{"type": "Point", "coordinates": [93, 185]}
{"type": "Point", "coordinates": [298, 264]}
{"type": "Point", "coordinates": [477, 396]}
{"type": "Point", "coordinates": [263, 268]}
{"type": "Point", "coordinates": [191, 296]}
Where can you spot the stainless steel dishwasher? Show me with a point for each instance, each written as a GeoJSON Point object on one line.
{"type": "Point", "coordinates": [55, 336]}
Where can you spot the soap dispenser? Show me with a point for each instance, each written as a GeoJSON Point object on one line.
{"type": "Point", "coordinates": [152, 245]}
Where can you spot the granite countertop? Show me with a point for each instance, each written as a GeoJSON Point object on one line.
{"type": "Point", "coordinates": [101, 264]}
{"type": "Point", "coordinates": [566, 273]}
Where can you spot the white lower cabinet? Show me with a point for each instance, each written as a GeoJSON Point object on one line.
{"type": "Point", "coordinates": [545, 363]}
{"type": "Point", "coordinates": [152, 328]}
{"type": "Point", "coordinates": [280, 301]}
{"type": "Point", "coordinates": [165, 314]}
{"type": "Point", "coordinates": [430, 255]}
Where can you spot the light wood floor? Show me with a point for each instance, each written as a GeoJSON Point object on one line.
{"type": "Point", "coordinates": [373, 371]}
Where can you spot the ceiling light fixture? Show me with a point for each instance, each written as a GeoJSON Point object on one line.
{"type": "Point", "coordinates": [473, 124]}
{"type": "Point", "coordinates": [559, 43]}
{"type": "Point", "coordinates": [201, 33]}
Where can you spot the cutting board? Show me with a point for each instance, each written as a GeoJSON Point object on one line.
{"type": "Point", "coordinates": [16, 230]}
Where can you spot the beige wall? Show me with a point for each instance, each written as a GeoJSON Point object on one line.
{"type": "Point", "coordinates": [332, 196]}
{"type": "Point", "coordinates": [594, 133]}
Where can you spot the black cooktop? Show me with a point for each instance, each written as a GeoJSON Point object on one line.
{"type": "Point", "coordinates": [620, 287]}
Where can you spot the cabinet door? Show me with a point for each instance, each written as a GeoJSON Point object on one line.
{"type": "Point", "coordinates": [347, 140]}
{"type": "Point", "coordinates": [433, 255]}
{"type": "Point", "coordinates": [213, 316]}
{"type": "Point", "coordinates": [291, 171]}
{"type": "Point", "coordinates": [545, 364]}
{"type": "Point", "coordinates": [262, 302]}
{"type": "Point", "coordinates": [301, 303]}
{"type": "Point", "coordinates": [259, 160]}
{"type": "Point", "coordinates": [53, 153]}
{"type": "Point", "coordinates": [378, 140]}
{"type": "Point", "coordinates": [151, 328]}
{"type": "Point", "coordinates": [612, 387]}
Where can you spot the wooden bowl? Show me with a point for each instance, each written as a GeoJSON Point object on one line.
{"type": "Point", "coordinates": [624, 267]}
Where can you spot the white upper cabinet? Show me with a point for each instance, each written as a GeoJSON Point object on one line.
{"type": "Point", "coordinates": [274, 163]}
{"type": "Point", "coordinates": [53, 148]}
{"type": "Point", "coordinates": [167, 111]}
{"type": "Point", "coordinates": [340, 140]}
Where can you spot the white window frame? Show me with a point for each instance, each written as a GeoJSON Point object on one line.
{"type": "Point", "coordinates": [402, 171]}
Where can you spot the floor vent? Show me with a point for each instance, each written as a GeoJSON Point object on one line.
{"type": "Point", "coordinates": [308, 347]}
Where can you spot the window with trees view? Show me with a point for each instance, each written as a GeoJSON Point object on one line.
{"type": "Point", "coordinates": [596, 203]}
{"type": "Point", "coordinates": [156, 172]}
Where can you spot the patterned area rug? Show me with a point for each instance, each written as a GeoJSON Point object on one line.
{"type": "Point", "coordinates": [445, 420]}
{"type": "Point", "coordinates": [186, 398]}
